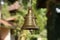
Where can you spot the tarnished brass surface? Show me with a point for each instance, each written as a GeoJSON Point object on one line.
{"type": "Point", "coordinates": [30, 22]}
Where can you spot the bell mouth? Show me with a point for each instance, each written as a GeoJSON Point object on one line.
{"type": "Point", "coordinates": [30, 28]}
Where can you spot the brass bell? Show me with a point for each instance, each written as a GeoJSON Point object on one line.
{"type": "Point", "coordinates": [29, 23]}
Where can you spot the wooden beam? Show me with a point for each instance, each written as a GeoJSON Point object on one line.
{"type": "Point", "coordinates": [14, 6]}
{"type": "Point", "coordinates": [5, 22]}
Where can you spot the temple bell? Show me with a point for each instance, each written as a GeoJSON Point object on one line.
{"type": "Point", "coordinates": [30, 21]}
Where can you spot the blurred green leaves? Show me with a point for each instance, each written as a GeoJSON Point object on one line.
{"type": "Point", "coordinates": [39, 14]}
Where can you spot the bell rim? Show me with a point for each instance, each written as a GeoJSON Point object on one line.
{"type": "Point", "coordinates": [30, 28]}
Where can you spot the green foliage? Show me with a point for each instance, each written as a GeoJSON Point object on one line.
{"type": "Point", "coordinates": [40, 15]}
{"type": "Point", "coordinates": [5, 12]}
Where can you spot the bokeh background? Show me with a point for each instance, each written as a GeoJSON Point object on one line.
{"type": "Point", "coordinates": [19, 11]}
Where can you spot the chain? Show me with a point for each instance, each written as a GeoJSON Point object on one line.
{"type": "Point", "coordinates": [30, 3]}
{"type": "Point", "coordinates": [20, 1]}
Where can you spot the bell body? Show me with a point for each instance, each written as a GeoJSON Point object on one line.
{"type": "Point", "coordinates": [29, 22]}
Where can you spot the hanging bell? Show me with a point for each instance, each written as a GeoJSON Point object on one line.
{"type": "Point", "coordinates": [29, 23]}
